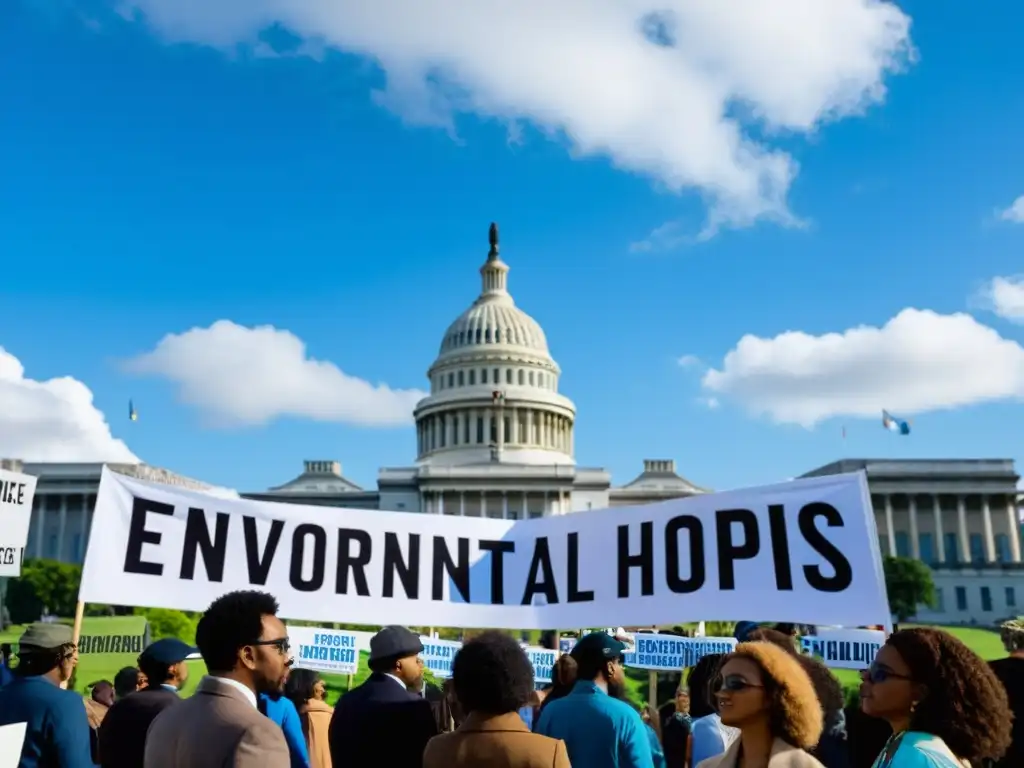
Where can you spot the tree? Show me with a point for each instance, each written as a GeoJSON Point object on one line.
{"type": "Point", "coordinates": [43, 584]}
{"type": "Point", "coordinates": [909, 585]}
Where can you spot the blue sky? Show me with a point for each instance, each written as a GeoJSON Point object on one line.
{"type": "Point", "coordinates": [164, 173]}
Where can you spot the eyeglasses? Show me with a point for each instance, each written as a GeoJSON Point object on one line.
{"type": "Point", "coordinates": [282, 644]}
{"type": "Point", "coordinates": [732, 684]}
{"type": "Point", "coordinates": [876, 674]}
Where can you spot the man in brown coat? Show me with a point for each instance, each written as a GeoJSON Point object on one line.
{"type": "Point", "coordinates": [493, 678]}
{"type": "Point", "coordinates": [245, 648]}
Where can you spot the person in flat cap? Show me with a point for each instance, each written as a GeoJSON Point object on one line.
{"type": "Point", "coordinates": [57, 729]}
{"type": "Point", "coordinates": [122, 734]}
{"type": "Point", "coordinates": [383, 722]}
{"type": "Point", "coordinates": [599, 729]}
{"type": "Point", "coordinates": [1010, 672]}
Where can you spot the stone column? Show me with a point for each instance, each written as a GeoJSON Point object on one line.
{"type": "Point", "coordinates": [449, 429]}
{"type": "Point", "coordinates": [986, 521]}
{"type": "Point", "coordinates": [526, 508]}
{"type": "Point", "coordinates": [1013, 522]}
{"type": "Point", "coordinates": [85, 526]}
{"type": "Point", "coordinates": [890, 528]}
{"type": "Point", "coordinates": [40, 525]}
{"type": "Point", "coordinates": [915, 544]}
{"type": "Point", "coordinates": [545, 509]}
{"type": "Point", "coordinates": [483, 503]}
{"type": "Point", "coordinates": [504, 505]}
{"type": "Point", "coordinates": [940, 536]}
{"type": "Point", "coordinates": [63, 526]}
{"type": "Point", "coordinates": [462, 503]}
{"type": "Point", "coordinates": [440, 502]}
{"type": "Point", "coordinates": [965, 540]}
{"type": "Point", "coordinates": [423, 501]}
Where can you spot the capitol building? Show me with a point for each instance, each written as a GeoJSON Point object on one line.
{"type": "Point", "coordinates": [495, 438]}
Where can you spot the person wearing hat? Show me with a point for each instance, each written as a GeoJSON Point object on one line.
{"type": "Point", "coordinates": [122, 735]}
{"type": "Point", "coordinates": [598, 728]}
{"type": "Point", "coordinates": [1010, 672]}
{"type": "Point", "coordinates": [382, 722]}
{"type": "Point", "coordinates": [57, 729]}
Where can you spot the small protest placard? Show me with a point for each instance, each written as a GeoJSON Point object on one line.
{"type": "Point", "coordinates": [16, 492]}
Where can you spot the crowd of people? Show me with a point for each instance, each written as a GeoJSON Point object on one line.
{"type": "Point", "coordinates": [926, 701]}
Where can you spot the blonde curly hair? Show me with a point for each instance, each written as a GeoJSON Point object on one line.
{"type": "Point", "coordinates": [796, 715]}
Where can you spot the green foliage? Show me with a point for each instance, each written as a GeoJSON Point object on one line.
{"type": "Point", "coordinates": [43, 583]}
{"type": "Point", "coordinates": [165, 622]}
{"type": "Point", "coordinates": [909, 584]}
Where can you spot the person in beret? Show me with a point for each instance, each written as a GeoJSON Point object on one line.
{"type": "Point", "coordinates": [122, 735]}
{"type": "Point", "coordinates": [57, 729]}
{"type": "Point", "coordinates": [383, 722]}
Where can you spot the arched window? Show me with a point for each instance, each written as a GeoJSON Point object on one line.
{"type": "Point", "coordinates": [461, 381]}
{"type": "Point", "coordinates": [531, 378]}
{"type": "Point", "coordinates": [483, 376]}
{"type": "Point", "coordinates": [487, 335]}
{"type": "Point", "coordinates": [508, 375]}
{"type": "Point", "coordinates": [497, 335]}
{"type": "Point", "coordinates": [522, 377]}
{"type": "Point", "coordinates": [472, 378]}
{"type": "Point", "coordinates": [451, 380]}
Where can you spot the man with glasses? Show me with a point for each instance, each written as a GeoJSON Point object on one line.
{"type": "Point", "coordinates": [246, 651]}
{"type": "Point", "coordinates": [598, 728]}
{"type": "Point", "coordinates": [56, 727]}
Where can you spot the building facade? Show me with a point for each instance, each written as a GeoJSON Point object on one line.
{"type": "Point", "coordinates": [494, 437]}
{"type": "Point", "coordinates": [65, 497]}
{"type": "Point", "coordinates": [960, 517]}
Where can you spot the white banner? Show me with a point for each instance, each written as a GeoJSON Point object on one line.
{"type": "Point", "coordinates": [804, 551]}
{"type": "Point", "coordinates": [325, 650]}
{"type": "Point", "coordinates": [16, 492]}
{"type": "Point", "coordinates": [844, 648]}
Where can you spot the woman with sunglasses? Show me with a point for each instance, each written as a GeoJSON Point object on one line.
{"type": "Point", "coordinates": [946, 707]}
{"type": "Point", "coordinates": [764, 692]}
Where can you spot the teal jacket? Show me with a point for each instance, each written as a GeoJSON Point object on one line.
{"type": "Point", "coordinates": [598, 731]}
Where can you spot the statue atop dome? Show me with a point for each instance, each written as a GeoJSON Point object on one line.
{"type": "Point", "coordinates": [492, 236]}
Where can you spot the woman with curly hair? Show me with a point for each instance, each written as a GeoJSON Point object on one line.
{"type": "Point", "coordinates": [946, 707]}
{"type": "Point", "coordinates": [764, 692]}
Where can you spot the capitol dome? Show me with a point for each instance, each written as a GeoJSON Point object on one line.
{"type": "Point", "coordinates": [494, 385]}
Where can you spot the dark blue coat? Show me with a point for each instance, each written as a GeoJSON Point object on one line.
{"type": "Point", "coordinates": [57, 734]}
{"type": "Point", "coordinates": [380, 724]}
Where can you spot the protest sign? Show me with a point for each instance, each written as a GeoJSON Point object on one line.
{"type": "Point", "coordinates": [543, 662]}
{"type": "Point", "coordinates": [16, 492]}
{"type": "Point", "coordinates": [670, 653]}
{"type": "Point", "coordinates": [844, 648]}
{"type": "Point", "coordinates": [12, 741]}
{"type": "Point", "coordinates": [566, 644]}
{"type": "Point", "coordinates": [438, 655]}
{"type": "Point", "coordinates": [804, 551]}
{"type": "Point", "coordinates": [325, 650]}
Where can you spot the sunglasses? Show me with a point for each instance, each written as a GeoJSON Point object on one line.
{"type": "Point", "coordinates": [732, 684]}
{"type": "Point", "coordinates": [876, 674]}
{"type": "Point", "coordinates": [282, 644]}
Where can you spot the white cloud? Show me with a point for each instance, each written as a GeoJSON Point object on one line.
{"type": "Point", "coordinates": [666, 237]}
{"type": "Point", "coordinates": [248, 376]}
{"type": "Point", "coordinates": [918, 361]}
{"type": "Point", "coordinates": [1004, 296]}
{"type": "Point", "coordinates": [1015, 212]}
{"type": "Point", "coordinates": [591, 72]}
{"type": "Point", "coordinates": [690, 361]}
{"type": "Point", "coordinates": [52, 420]}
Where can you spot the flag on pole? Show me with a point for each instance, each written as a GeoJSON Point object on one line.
{"type": "Point", "coordinates": [895, 425]}
{"type": "Point", "coordinates": [132, 415]}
